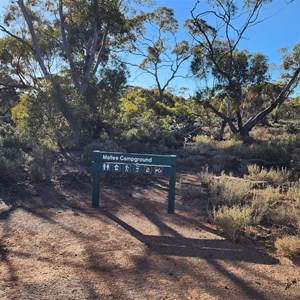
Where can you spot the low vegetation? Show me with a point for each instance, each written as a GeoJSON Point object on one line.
{"type": "Point", "coordinates": [260, 201]}
{"type": "Point", "coordinates": [289, 246]}
{"type": "Point", "coordinates": [234, 220]}
{"type": "Point", "coordinates": [65, 91]}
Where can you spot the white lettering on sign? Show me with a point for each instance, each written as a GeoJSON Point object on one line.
{"type": "Point", "coordinates": [127, 158]}
{"type": "Point", "coordinates": [136, 159]}
{"type": "Point", "coordinates": [110, 157]}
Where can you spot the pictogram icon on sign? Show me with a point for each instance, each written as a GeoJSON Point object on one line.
{"type": "Point", "coordinates": [158, 171]}
{"type": "Point", "coordinates": [106, 167]}
{"type": "Point", "coordinates": [148, 170]}
{"type": "Point", "coordinates": [147, 164]}
{"type": "Point", "coordinates": [116, 168]}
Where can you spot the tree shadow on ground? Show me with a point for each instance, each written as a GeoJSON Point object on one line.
{"type": "Point", "coordinates": [168, 247]}
{"type": "Point", "coordinates": [190, 247]}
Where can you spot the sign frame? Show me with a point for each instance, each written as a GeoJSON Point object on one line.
{"type": "Point", "coordinates": [157, 165]}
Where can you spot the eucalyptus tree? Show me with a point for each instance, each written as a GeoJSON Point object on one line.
{"type": "Point", "coordinates": [155, 49]}
{"type": "Point", "coordinates": [232, 74]}
{"type": "Point", "coordinates": [66, 39]}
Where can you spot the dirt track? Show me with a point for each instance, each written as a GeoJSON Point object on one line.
{"type": "Point", "coordinates": [53, 245]}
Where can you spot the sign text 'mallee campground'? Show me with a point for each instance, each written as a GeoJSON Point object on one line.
{"type": "Point", "coordinates": [158, 165]}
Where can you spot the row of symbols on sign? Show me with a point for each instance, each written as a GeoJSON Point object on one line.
{"type": "Point", "coordinates": [114, 167]}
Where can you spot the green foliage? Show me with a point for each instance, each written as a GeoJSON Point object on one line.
{"type": "Point", "coordinates": [145, 118]}
{"type": "Point", "coordinates": [190, 192]}
{"type": "Point", "coordinates": [42, 164]}
{"type": "Point", "coordinates": [12, 157]}
{"type": "Point", "coordinates": [274, 147]}
{"type": "Point", "coordinates": [234, 220]}
{"type": "Point", "coordinates": [39, 116]}
{"type": "Point", "coordinates": [229, 191]}
{"type": "Point", "coordinates": [21, 156]}
{"type": "Point", "coordinates": [273, 176]}
{"type": "Point", "coordinates": [67, 41]}
{"type": "Point", "coordinates": [108, 145]}
{"type": "Point", "coordinates": [294, 193]}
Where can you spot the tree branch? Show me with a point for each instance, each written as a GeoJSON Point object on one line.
{"type": "Point", "coordinates": [66, 47]}
{"type": "Point", "coordinates": [2, 28]}
{"type": "Point", "coordinates": [206, 104]}
{"type": "Point", "coordinates": [37, 49]}
{"type": "Point", "coordinates": [279, 100]}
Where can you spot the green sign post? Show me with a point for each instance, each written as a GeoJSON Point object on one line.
{"type": "Point", "coordinates": [158, 165]}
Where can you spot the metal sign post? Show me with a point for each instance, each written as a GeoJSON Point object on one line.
{"type": "Point", "coordinates": [158, 165]}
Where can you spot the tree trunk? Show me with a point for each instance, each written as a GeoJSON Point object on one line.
{"type": "Point", "coordinates": [221, 133]}
{"type": "Point", "coordinates": [279, 100]}
{"type": "Point", "coordinates": [73, 119]}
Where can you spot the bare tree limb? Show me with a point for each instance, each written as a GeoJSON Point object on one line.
{"type": "Point", "coordinates": [66, 47]}
{"type": "Point", "coordinates": [37, 49]}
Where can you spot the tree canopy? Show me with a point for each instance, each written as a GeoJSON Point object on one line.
{"type": "Point", "coordinates": [63, 75]}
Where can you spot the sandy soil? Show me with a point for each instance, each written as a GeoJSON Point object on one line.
{"type": "Point", "coordinates": [53, 245]}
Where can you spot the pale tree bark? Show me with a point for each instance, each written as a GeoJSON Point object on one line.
{"type": "Point", "coordinates": [286, 91]}
{"type": "Point", "coordinates": [80, 79]}
{"type": "Point", "coordinates": [37, 49]}
{"type": "Point", "coordinates": [66, 46]}
{"type": "Point", "coordinates": [244, 130]}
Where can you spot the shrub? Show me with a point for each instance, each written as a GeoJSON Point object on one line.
{"type": "Point", "coordinates": [285, 215]}
{"type": "Point", "coordinates": [289, 246]}
{"type": "Point", "coordinates": [273, 176]}
{"type": "Point", "coordinates": [10, 169]}
{"type": "Point", "coordinates": [225, 190]}
{"type": "Point", "coordinates": [205, 176]}
{"type": "Point", "coordinates": [190, 192]}
{"type": "Point", "coordinates": [12, 157]}
{"type": "Point", "coordinates": [43, 162]}
{"type": "Point", "coordinates": [109, 146]}
{"type": "Point", "coordinates": [294, 193]}
{"type": "Point", "coordinates": [203, 145]}
{"type": "Point", "coordinates": [264, 200]}
{"type": "Point", "coordinates": [274, 151]}
{"type": "Point", "coordinates": [233, 220]}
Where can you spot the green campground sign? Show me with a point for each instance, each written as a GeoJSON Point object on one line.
{"type": "Point", "coordinates": [158, 165]}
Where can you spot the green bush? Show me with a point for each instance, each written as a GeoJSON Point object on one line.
{"type": "Point", "coordinates": [202, 145]}
{"type": "Point", "coordinates": [12, 157]}
{"type": "Point", "coordinates": [294, 193]}
{"type": "Point", "coordinates": [107, 146]}
{"type": "Point", "coordinates": [228, 191]}
{"type": "Point", "coordinates": [274, 176]}
{"type": "Point", "coordinates": [10, 169]}
{"type": "Point", "coordinates": [42, 164]}
{"type": "Point", "coordinates": [190, 192]}
{"type": "Point", "coordinates": [285, 216]}
{"type": "Point", "coordinates": [205, 176]}
{"type": "Point", "coordinates": [18, 154]}
{"type": "Point", "coordinates": [234, 220]}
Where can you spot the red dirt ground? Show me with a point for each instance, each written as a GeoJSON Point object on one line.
{"type": "Point", "coordinates": [53, 245]}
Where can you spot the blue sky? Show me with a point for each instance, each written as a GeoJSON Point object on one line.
{"type": "Point", "coordinates": [280, 28]}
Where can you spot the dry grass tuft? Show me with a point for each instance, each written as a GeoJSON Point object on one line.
{"type": "Point", "coordinates": [233, 220]}
{"type": "Point", "coordinates": [228, 191]}
{"type": "Point", "coordinates": [294, 194]}
{"type": "Point", "coordinates": [289, 246]}
{"type": "Point", "coordinates": [273, 176]}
